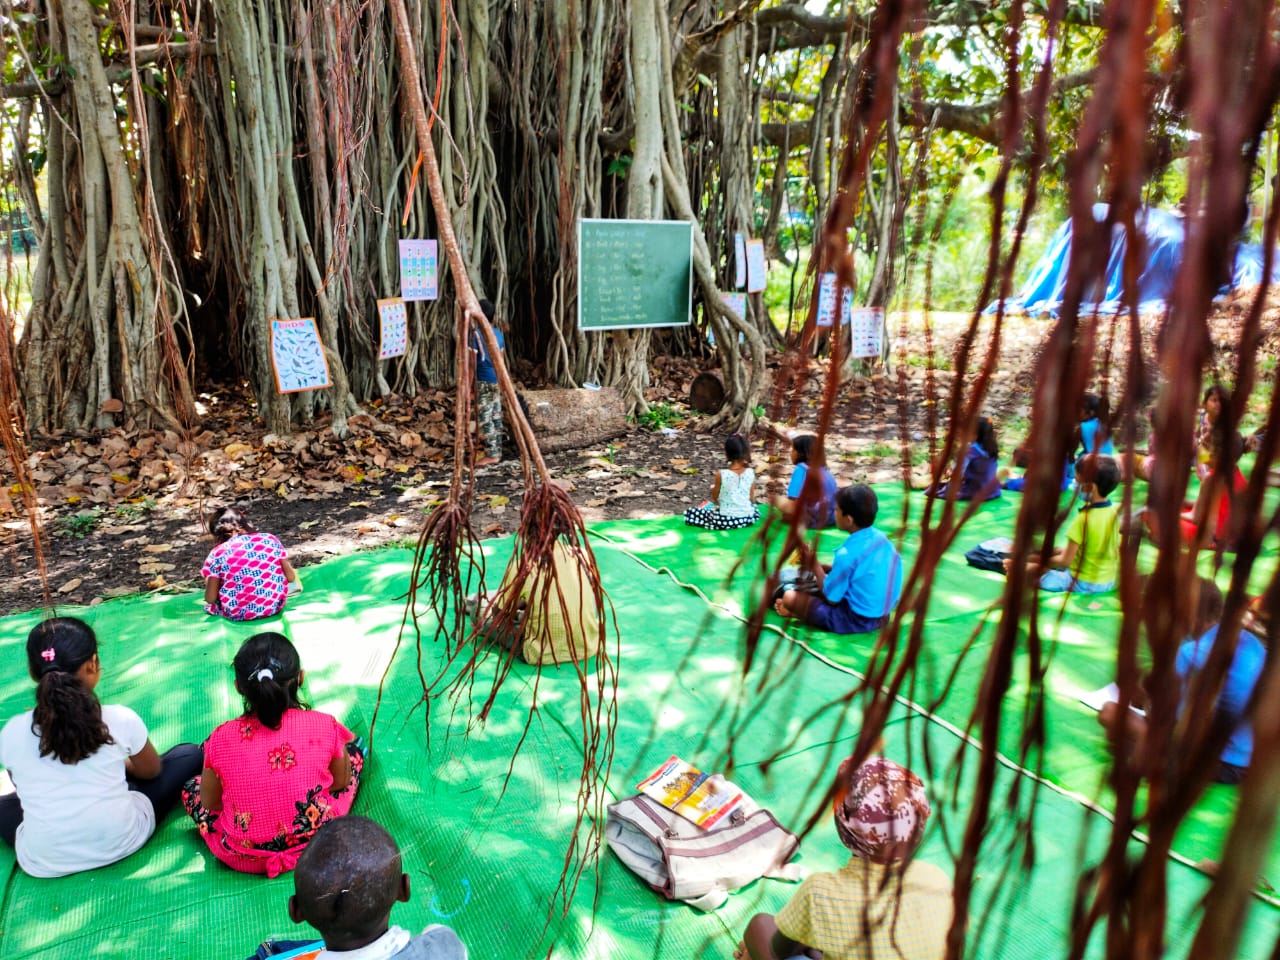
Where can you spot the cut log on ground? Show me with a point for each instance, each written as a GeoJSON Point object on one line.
{"type": "Point", "coordinates": [706, 393]}
{"type": "Point", "coordinates": [569, 419]}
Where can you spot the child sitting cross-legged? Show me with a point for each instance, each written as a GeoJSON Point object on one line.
{"type": "Point", "coordinates": [1091, 557]}
{"type": "Point", "coordinates": [345, 886]}
{"type": "Point", "coordinates": [883, 902]}
{"type": "Point", "coordinates": [732, 505]}
{"type": "Point", "coordinates": [862, 584]}
{"type": "Point", "coordinates": [276, 773]}
{"type": "Point", "coordinates": [820, 510]}
{"type": "Point", "coordinates": [247, 576]}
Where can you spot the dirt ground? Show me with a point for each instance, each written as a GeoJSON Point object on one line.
{"type": "Point", "coordinates": [120, 511]}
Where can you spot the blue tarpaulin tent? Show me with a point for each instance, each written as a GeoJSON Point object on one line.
{"type": "Point", "coordinates": [1164, 234]}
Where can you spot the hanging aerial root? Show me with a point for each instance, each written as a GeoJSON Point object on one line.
{"type": "Point", "coordinates": [15, 448]}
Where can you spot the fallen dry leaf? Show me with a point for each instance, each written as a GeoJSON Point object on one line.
{"type": "Point", "coordinates": [158, 547]}
{"type": "Point", "coordinates": [70, 585]}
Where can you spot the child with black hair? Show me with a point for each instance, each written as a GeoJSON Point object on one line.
{"type": "Point", "coordinates": [488, 394]}
{"type": "Point", "coordinates": [821, 510]}
{"type": "Point", "coordinates": [346, 883]}
{"type": "Point", "coordinates": [247, 576]}
{"type": "Point", "coordinates": [1215, 400]}
{"type": "Point", "coordinates": [863, 582]}
{"type": "Point", "coordinates": [90, 786]}
{"type": "Point", "coordinates": [1091, 558]}
{"type": "Point", "coordinates": [277, 772]}
{"type": "Point", "coordinates": [731, 506]}
{"type": "Point", "coordinates": [1094, 433]}
{"type": "Point", "coordinates": [978, 479]}
{"type": "Point", "coordinates": [1231, 705]}
{"type": "Point", "coordinates": [1206, 522]}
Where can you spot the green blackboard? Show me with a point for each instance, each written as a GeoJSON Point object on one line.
{"type": "Point", "coordinates": [634, 273]}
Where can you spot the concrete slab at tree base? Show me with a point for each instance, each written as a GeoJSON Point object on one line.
{"type": "Point", "coordinates": [568, 419]}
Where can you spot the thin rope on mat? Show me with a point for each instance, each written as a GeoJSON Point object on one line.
{"type": "Point", "coordinates": [918, 709]}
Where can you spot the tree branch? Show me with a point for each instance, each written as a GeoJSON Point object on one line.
{"type": "Point", "coordinates": [117, 72]}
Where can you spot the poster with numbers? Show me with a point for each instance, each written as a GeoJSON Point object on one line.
{"type": "Point", "coordinates": [868, 331]}
{"type": "Point", "coordinates": [297, 356]}
{"type": "Point", "coordinates": [393, 317]}
{"type": "Point", "coordinates": [826, 316]}
{"type": "Point", "coordinates": [737, 303]}
{"type": "Point", "coordinates": [419, 270]}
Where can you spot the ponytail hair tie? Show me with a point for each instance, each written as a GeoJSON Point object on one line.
{"type": "Point", "coordinates": [48, 655]}
{"type": "Point", "coordinates": [264, 674]}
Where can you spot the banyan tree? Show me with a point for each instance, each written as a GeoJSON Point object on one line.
{"type": "Point", "coordinates": [194, 170]}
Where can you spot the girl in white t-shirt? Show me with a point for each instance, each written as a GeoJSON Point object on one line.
{"type": "Point", "coordinates": [732, 503]}
{"type": "Point", "coordinates": [90, 786]}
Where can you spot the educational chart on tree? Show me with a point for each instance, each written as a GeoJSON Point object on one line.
{"type": "Point", "coordinates": [297, 356]}
{"type": "Point", "coordinates": [867, 327]}
{"type": "Point", "coordinates": [737, 303]}
{"type": "Point", "coordinates": [393, 317]}
{"type": "Point", "coordinates": [634, 273]}
{"type": "Point", "coordinates": [826, 316]}
{"type": "Point", "coordinates": [739, 261]}
{"type": "Point", "coordinates": [419, 270]}
{"type": "Point", "coordinates": [756, 268]}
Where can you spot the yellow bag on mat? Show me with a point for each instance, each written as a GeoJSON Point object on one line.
{"type": "Point", "coordinates": [558, 626]}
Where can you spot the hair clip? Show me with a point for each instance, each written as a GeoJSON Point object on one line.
{"type": "Point", "coordinates": [48, 655]}
{"type": "Point", "coordinates": [264, 674]}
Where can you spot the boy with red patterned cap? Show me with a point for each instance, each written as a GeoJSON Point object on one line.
{"type": "Point", "coordinates": [881, 904]}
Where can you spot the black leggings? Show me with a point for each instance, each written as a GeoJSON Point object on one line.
{"type": "Point", "coordinates": [178, 765]}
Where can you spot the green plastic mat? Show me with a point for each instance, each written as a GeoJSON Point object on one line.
{"type": "Point", "coordinates": [484, 861]}
{"type": "Point", "coordinates": [960, 627]}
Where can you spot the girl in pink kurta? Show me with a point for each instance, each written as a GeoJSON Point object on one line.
{"type": "Point", "coordinates": [247, 575]}
{"type": "Point", "coordinates": [275, 774]}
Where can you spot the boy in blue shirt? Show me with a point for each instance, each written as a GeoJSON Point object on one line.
{"type": "Point", "coordinates": [862, 584]}
{"type": "Point", "coordinates": [1231, 707]}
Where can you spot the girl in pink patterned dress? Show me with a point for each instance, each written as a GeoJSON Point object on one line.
{"type": "Point", "coordinates": [247, 575]}
{"type": "Point", "coordinates": [274, 775]}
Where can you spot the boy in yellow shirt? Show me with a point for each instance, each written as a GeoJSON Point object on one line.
{"type": "Point", "coordinates": [1089, 561]}
{"type": "Point", "coordinates": [883, 903]}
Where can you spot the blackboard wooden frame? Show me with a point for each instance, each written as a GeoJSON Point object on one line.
{"type": "Point", "coordinates": [649, 266]}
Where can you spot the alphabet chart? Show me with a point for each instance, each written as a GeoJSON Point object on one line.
{"type": "Point", "coordinates": [394, 322]}
{"type": "Point", "coordinates": [419, 270]}
{"type": "Point", "coordinates": [868, 331]}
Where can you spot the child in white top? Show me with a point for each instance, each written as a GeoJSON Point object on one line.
{"type": "Point", "coordinates": [90, 786]}
{"type": "Point", "coordinates": [731, 505]}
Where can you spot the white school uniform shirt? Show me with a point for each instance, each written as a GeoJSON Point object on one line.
{"type": "Point", "coordinates": [77, 816]}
